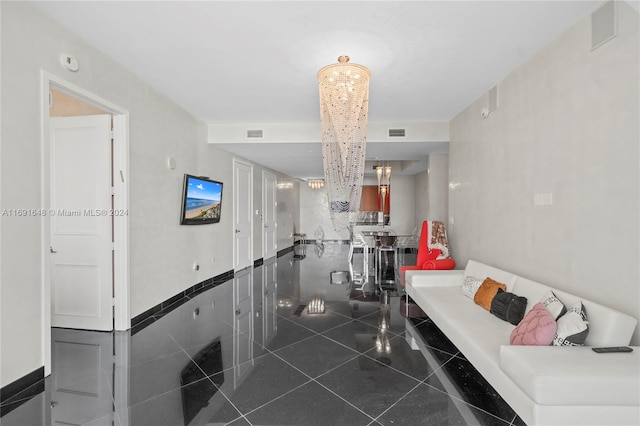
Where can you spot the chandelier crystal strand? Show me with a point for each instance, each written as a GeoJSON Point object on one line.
{"type": "Point", "coordinates": [344, 106]}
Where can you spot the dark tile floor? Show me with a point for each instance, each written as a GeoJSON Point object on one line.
{"type": "Point", "coordinates": [248, 352]}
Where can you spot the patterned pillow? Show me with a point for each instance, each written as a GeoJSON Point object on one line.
{"type": "Point", "coordinates": [487, 291]}
{"type": "Point", "coordinates": [470, 285]}
{"type": "Point", "coordinates": [536, 328]}
{"type": "Point", "coordinates": [573, 327]}
{"type": "Point", "coordinates": [553, 305]}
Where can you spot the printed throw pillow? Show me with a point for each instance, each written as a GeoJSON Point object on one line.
{"type": "Point", "coordinates": [470, 286]}
{"type": "Point", "coordinates": [487, 291]}
{"type": "Point", "coordinates": [573, 327]}
{"type": "Point", "coordinates": [508, 307]}
{"type": "Point", "coordinates": [553, 305]}
{"type": "Point", "coordinates": [536, 328]}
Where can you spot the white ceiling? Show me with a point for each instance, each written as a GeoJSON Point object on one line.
{"type": "Point", "coordinates": [256, 62]}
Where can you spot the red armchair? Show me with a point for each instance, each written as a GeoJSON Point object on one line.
{"type": "Point", "coordinates": [433, 250]}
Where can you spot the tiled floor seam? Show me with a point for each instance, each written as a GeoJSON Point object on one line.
{"type": "Point", "coordinates": [312, 379]}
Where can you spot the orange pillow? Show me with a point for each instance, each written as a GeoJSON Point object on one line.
{"type": "Point", "coordinates": [487, 291]}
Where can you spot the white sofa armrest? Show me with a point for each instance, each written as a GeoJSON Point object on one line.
{"type": "Point", "coordinates": [553, 375]}
{"type": "Point", "coordinates": [434, 278]}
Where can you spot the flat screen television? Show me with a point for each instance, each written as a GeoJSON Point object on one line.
{"type": "Point", "coordinates": [201, 200]}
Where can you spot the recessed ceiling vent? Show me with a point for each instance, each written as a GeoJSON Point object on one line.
{"type": "Point", "coordinates": [254, 133]}
{"type": "Point", "coordinates": [396, 133]}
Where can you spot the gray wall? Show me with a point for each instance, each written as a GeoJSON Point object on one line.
{"type": "Point", "coordinates": [567, 124]}
{"type": "Point", "coordinates": [438, 193]}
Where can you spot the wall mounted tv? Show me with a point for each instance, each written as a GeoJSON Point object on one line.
{"type": "Point", "coordinates": [201, 200]}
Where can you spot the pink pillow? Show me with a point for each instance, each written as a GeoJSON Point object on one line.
{"type": "Point", "coordinates": [536, 328]}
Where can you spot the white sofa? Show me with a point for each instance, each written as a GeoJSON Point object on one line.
{"type": "Point", "coordinates": [545, 385]}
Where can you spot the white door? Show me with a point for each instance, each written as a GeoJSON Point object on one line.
{"type": "Point", "coordinates": [269, 216]}
{"type": "Point", "coordinates": [81, 222]}
{"type": "Point", "coordinates": [242, 215]}
{"type": "Point", "coordinates": [243, 324]}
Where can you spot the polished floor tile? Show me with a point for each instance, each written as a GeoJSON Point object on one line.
{"type": "Point", "coordinates": [264, 360]}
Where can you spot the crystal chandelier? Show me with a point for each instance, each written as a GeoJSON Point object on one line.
{"type": "Point", "coordinates": [344, 106]}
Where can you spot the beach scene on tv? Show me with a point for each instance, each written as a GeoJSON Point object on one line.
{"type": "Point", "coordinates": [203, 200]}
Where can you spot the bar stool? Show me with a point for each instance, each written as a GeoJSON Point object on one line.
{"type": "Point", "coordinates": [359, 277]}
{"type": "Point", "coordinates": [385, 247]}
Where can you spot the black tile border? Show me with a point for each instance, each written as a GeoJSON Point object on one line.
{"type": "Point", "coordinates": [19, 387]}
{"type": "Point", "coordinates": [22, 390]}
{"type": "Point", "coordinates": [149, 316]}
{"type": "Point", "coordinates": [327, 241]}
{"type": "Point", "coordinates": [284, 251]}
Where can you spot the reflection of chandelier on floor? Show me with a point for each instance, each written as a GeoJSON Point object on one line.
{"type": "Point", "coordinates": [344, 105]}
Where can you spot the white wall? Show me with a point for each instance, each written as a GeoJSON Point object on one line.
{"type": "Point", "coordinates": [567, 124]}
{"type": "Point", "coordinates": [314, 213]}
{"type": "Point", "coordinates": [162, 252]}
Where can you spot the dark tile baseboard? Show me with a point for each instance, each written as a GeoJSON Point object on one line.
{"type": "Point", "coordinates": [149, 316]}
{"type": "Point", "coordinates": [22, 390]}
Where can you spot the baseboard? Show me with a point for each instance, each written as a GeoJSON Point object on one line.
{"type": "Point", "coordinates": [22, 390]}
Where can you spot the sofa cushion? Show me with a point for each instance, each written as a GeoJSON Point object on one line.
{"type": "Point", "coordinates": [487, 291]}
{"type": "Point", "coordinates": [553, 304]}
{"type": "Point", "coordinates": [556, 376]}
{"type": "Point", "coordinates": [470, 286]}
{"type": "Point", "coordinates": [573, 327]}
{"type": "Point", "coordinates": [536, 328]}
{"type": "Point", "coordinates": [508, 307]}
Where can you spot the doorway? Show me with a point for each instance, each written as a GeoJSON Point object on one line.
{"type": "Point", "coordinates": [114, 159]}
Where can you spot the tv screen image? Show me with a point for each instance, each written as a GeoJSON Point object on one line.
{"type": "Point", "coordinates": [201, 200]}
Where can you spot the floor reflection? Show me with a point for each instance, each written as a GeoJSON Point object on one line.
{"type": "Point", "coordinates": [248, 351]}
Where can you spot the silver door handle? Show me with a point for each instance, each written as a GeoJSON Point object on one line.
{"type": "Point", "coordinates": [52, 250]}
{"type": "Point", "coordinates": [237, 231]}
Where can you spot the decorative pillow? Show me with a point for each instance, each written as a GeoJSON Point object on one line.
{"type": "Point", "coordinates": [573, 327]}
{"type": "Point", "coordinates": [553, 305]}
{"type": "Point", "coordinates": [508, 307]}
{"type": "Point", "coordinates": [487, 291]}
{"type": "Point", "coordinates": [536, 328]}
{"type": "Point", "coordinates": [470, 285]}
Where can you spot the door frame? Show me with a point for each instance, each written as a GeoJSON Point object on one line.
{"type": "Point", "coordinates": [121, 272]}
{"type": "Point", "coordinates": [273, 208]}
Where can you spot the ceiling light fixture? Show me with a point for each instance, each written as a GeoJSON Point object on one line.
{"type": "Point", "coordinates": [316, 183]}
{"type": "Point", "coordinates": [344, 107]}
{"type": "Point", "coordinates": [383, 174]}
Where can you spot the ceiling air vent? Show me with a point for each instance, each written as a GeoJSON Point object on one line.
{"type": "Point", "coordinates": [254, 133]}
{"type": "Point", "coordinates": [396, 133]}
